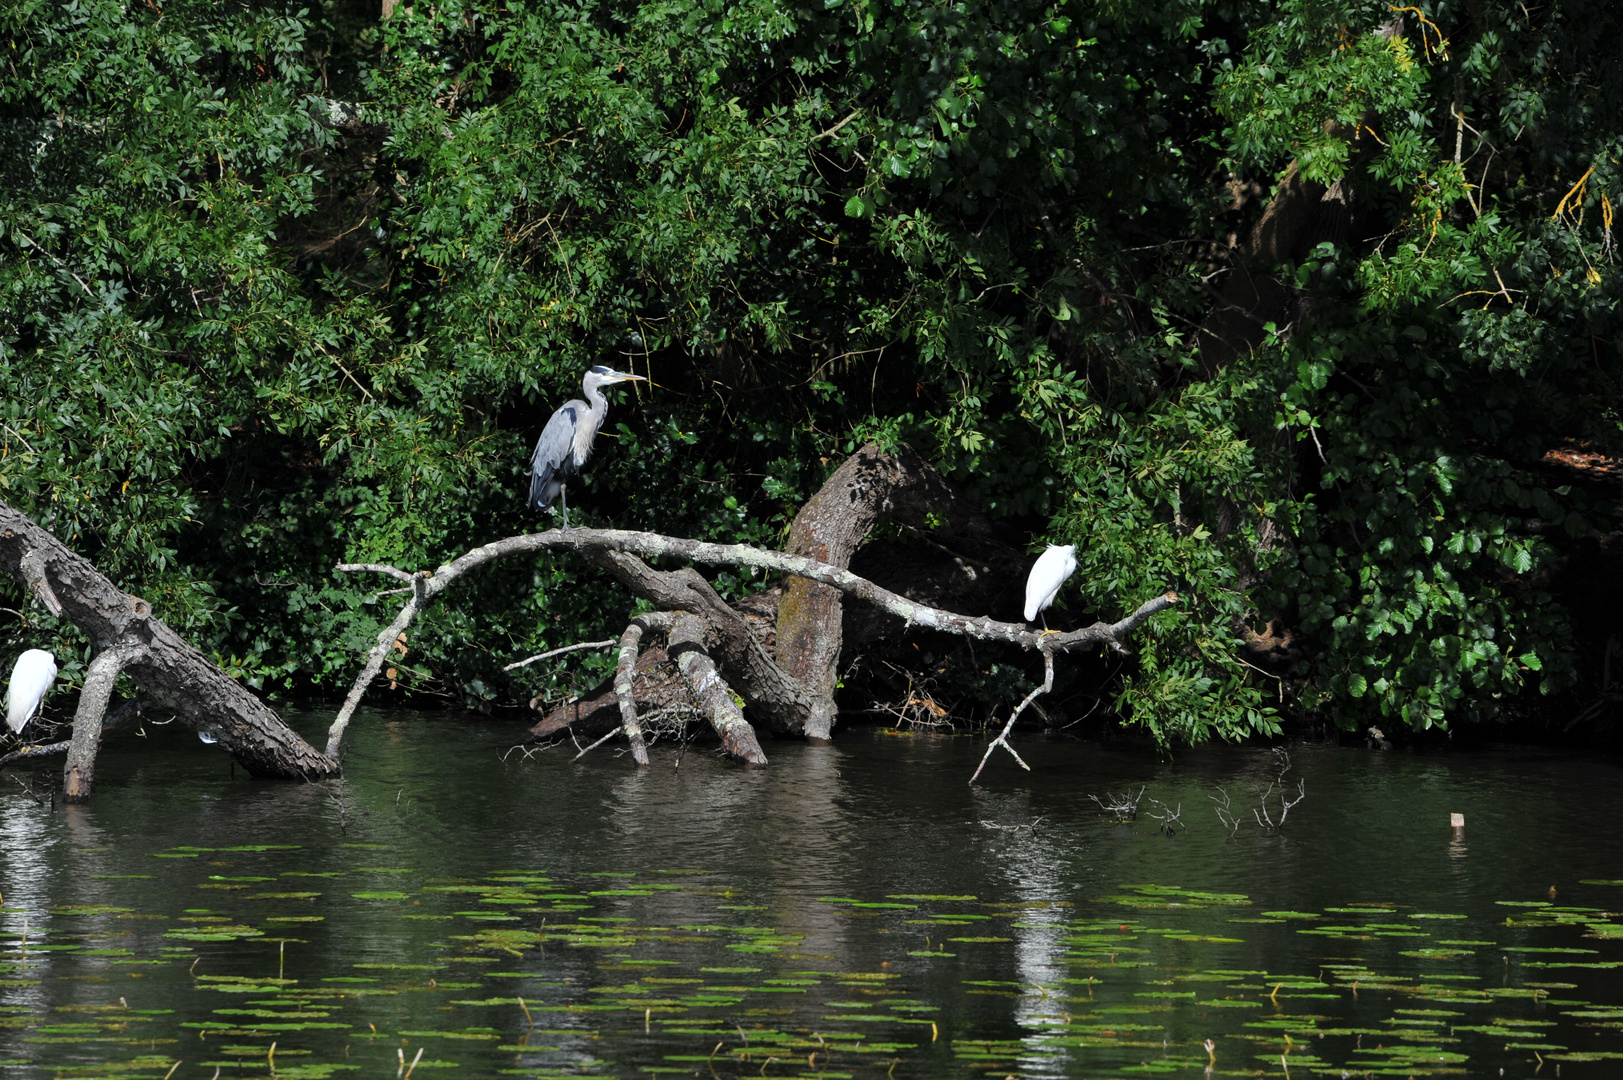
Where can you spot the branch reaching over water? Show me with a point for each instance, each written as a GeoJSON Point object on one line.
{"type": "Point", "coordinates": [622, 553]}
{"type": "Point", "coordinates": [549, 654]}
{"type": "Point", "coordinates": [176, 676]}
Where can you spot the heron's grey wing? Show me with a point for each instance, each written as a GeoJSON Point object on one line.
{"type": "Point", "coordinates": [553, 458]}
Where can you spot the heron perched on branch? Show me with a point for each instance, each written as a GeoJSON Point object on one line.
{"type": "Point", "coordinates": [566, 441]}
{"type": "Point", "coordinates": [1047, 575]}
{"type": "Point", "coordinates": [31, 679]}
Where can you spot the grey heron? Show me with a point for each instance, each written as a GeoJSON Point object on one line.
{"type": "Point", "coordinates": [566, 441]}
{"type": "Point", "coordinates": [31, 679]}
{"type": "Point", "coordinates": [1043, 583]}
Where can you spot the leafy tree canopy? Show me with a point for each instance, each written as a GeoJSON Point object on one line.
{"type": "Point", "coordinates": [1280, 305]}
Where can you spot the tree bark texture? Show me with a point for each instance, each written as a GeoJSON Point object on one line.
{"type": "Point", "coordinates": [175, 676]}
{"type": "Point", "coordinates": [79, 773]}
{"type": "Point", "coordinates": [713, 695]}
{"type": "Point", "coordinates": [656, 682]}
{"type": "Point", "coordinates": [779, 697]}
{"type": "Point", "coordinates": [830, 527]}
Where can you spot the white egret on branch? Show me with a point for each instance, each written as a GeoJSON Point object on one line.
{"type": "Point", "coordinates": [1043, 583]}
{"type": "Point", "coordinates": [31, 679]}
{"type": "Point", "coordinates": [566, 441]}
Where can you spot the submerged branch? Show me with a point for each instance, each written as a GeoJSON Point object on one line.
{"type": "Point", "coordinates": [685, 644]}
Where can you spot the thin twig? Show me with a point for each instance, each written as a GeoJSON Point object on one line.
{"type": "Point", "coordinates": [64, 266]}
{"type": "Point", "coordinates": [597, 744]}
{"type": "Point", "coordinates": [20, 439]}
{"type": "Point", "coordinates": [831, 131]}
{"type": "Point", "coordinates": [1003, 736]}
{"type": "Point", "coordinates": [374, 568]}
{"type": "Point", "coordinates": [559, 652]}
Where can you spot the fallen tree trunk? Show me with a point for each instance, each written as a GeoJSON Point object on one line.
{"type": "Point", "coordinates": [128, 639]}
{"type": "Point", "coordinates": [708, 629]}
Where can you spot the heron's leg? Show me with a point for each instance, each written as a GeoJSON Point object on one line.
{"type": "Point", "coordinates": [564, 502]}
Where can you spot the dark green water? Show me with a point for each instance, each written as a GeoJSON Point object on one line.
{"type": "Point", "coordinates": [847, 912]}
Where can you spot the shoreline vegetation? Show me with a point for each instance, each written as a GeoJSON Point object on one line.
{"type": "Point", "coordinates": [1305, 314]}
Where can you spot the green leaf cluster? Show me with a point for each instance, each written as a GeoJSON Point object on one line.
{"type": "Point", "coordinates": [283, 286]}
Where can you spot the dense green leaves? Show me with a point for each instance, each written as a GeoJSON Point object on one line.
{"type": "Point", "coordinates": [282, 288]}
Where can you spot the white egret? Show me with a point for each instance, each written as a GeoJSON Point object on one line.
{"type": "Point", "coordinates": [1047, 575]}
{"type": "Point", "coordinates": [31, 679]}
{"type": "Point", "coordinates": [566, 441]}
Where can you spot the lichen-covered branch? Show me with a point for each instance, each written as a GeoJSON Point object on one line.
{"type": "Point", "coordinates": [625, 672]}
{"type": "Point", "coordinates": [774, 694]}
{"type": "Point", "coordinates": [686, 646]}
{"type": "Point", "coordinates": [655, 546]}
{"type": "Point", "coordinates": [829, 528]}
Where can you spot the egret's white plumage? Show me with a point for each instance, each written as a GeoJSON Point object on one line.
{"type": "Point", "coordinates": [1043, 583]}
{"type": "Point", "coordinates": [31, 678]}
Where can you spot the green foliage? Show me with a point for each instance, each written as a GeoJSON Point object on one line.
{"type": "Point", "coordinates": [245, 338]}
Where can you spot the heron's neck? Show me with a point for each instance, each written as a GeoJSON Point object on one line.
{"type": "Point", "coordinates": [595, 398]}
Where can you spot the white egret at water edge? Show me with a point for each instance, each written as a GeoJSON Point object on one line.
{"type": "Point", "coordinates": [1043, 583]}
{"type": "Point", "coordinates": [31, 679]}
{"type": "Point", "coordinates": [566, 441]}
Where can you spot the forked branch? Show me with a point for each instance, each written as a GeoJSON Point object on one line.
{"type": "Point", "coordinates": [611, 546]}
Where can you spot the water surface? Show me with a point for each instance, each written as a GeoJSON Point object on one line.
{"type": "Point", "coordinates": [850, 911]}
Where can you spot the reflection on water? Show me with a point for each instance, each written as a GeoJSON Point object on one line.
{"type": "Point", "coordinates": [850, 911]}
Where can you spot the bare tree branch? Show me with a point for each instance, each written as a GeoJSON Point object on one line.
{"type": "Point", "coordinates": [625, 672]}
{"type": "Point", "coordinates": [32, 568]}
{"type": "Point", "coordinates": [622, 551]}
{"type": "Point", "coordinates": [374, 660]}
{"type": "Point", "coordinates": [577, 647]}
{"type": "Point", "coordinates": [177, 677]}
{"type": "Point", "coordinates": [686, 647]}
{"type": "Point", "coordinates": [595, 745]}
{"type": "Point", "coordinates": [1003, 736]}
{"type": "Point", "coordinates": [375, 568]}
